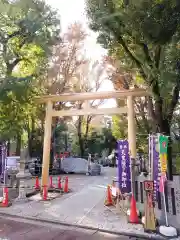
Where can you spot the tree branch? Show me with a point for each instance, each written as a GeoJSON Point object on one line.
{"type": "Point", "coordinates": [157, 56]}
{"type": "Point", "coordinates": [174, 100]}
{"type": "Point", "coordinates": [132, 56]}
{"type": "Point", "coordinates": [151, 109]}
{"type": "Point", "coordinates": [10, 66]}
{"type": "Point", "coordinates": [141, 111]}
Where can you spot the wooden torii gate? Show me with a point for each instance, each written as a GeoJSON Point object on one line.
{"type": "Point", "coordinates": [88, 96]}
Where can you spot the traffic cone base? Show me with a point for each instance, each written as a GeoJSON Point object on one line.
{"type": "Point", "coordinates": [133, 217]}
{"type": "Point", "coordinates": [109, 201]}
{"type": "Point", "coordinates": [5, 205]}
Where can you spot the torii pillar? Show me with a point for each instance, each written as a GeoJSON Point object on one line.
{"type": "Point", "coordinates": [47, 144]}
{"type": "Point", "coordinates": [132, 139]}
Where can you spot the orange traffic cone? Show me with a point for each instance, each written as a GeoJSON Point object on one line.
{"type": "Point", "coordinates": [133, 217]}
{"type": "Point", "coordinates": [66, 188]}
{"type": "Point", "coordinates": [51, 182]}
{"type": "Point", "coordinates": [109, 200]}
{"type": "Point", "coordinates": [37, 186]}
{"type": "Point", "coordinates": [59, 183]}
{"type": "Point", "coordinates": [5, 202]}
{"type": "Point", "coordinates": [45, 193]}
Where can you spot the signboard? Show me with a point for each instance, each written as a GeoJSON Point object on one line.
{"type": "Point", "coordinates": [61, 155]}
{"type": "Point", "coordinates": [12, 162]}
{"type": "Point", "coordinates": [149, 224]}
{"type": "Point", "coordinates": [163, 179]}
{"type": "Point", "coordinates": [3, 156]}
{"type": "Point", "coordinates": [163, 145]}
{"type": "Point", "coordinates": [163, 161]}
{"type": "Point", "coordinates": [154, 154]}
{"type": "Point", "coordinates": [124, 172]}
{"type": "Point", "coordinates": [149, 186]}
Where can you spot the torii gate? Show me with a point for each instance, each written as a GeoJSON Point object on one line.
{"type": "Point", "coordinates": [50, 112]}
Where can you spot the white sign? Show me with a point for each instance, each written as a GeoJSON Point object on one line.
{"type": "Point", "coordinates": [114, 191]}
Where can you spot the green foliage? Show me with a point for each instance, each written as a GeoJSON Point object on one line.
{"type": "Point", "coordinates": [100, 139]}
{"type": "Point", "coordinates": [119, 127]}
{"type": "Point", "coordinates": [120, 132]}
{"type": "Point", "coordinates": [29, 29]}
{"type": "Point", "coordinates": [144, 37]}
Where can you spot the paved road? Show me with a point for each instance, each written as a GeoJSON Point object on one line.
{"type": "Point", "coordinates": [11, 229]}
{"type": "Point", "coordinates": [84, 205]}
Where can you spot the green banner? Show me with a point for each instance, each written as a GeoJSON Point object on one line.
{"type": "Point", "coordinates": [163, 144]}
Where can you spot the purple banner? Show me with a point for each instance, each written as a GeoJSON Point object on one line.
{"type": "Point", "coordinates": [3, 156]}
{"type": "Point", "coordinates": [124, 173]}
{"type": "Point", "coordinates": [156, 165]}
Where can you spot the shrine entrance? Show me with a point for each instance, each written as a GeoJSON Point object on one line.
{"type": "Point", "coordinates": [128, 108]}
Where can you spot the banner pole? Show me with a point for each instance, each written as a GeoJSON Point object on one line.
{"type": "Point", "coordinates": [163, 173]}
{"type": "Point", "coordinates": [165, 208]}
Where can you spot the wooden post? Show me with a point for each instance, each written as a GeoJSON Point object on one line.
{"type": "Point", "coordinates": [132, 139]}
{"type": "Point", "coordinates": [47, 144]}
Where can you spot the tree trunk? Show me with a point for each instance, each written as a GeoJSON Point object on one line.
{"type": "Point", "coordinates": [30, 131]}
{"type": "Point", "coordinates": [88, 121]}
{"type": "Point", "coordinates": [18, 145]}
{"type": "Point", "coordinates": [81, 146]}
{"type": "Point", "coordinates": [8, 147]}
{"type": "Point", "coordinates": [29, 139]}
{"type": "Point", "coordinates": [162, 126]}
{"type": "Point", "coordinates": [80, 137]}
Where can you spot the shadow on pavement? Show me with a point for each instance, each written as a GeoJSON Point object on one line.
{"type": "Point", "coordinates": [13, 230]}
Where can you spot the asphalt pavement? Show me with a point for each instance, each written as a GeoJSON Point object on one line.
{"type": "Point", "coordinates": [13, 229]}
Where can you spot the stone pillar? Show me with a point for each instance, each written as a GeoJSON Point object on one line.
{"type": "Point", "coordinates": [22, 176]}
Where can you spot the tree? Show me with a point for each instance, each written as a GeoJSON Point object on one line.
{"type": "Point", "coordinates": [144, 36]}
{"type": "Point", "coordinates": [28, 31]}
{"type": "Point", "coordinates": [123, 79]}
{"type": "Point", "coordinates": [89, 79]}
{"type": "Point", "coordinates": [67, 58]}
{"type": "Point", "coordinates": [71, 71]}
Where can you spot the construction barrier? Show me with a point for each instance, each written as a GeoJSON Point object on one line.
{"type": "Point", "coordinates": [60, 185]}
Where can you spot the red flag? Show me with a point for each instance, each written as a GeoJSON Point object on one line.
{"type": "Point", "coordinates": [161, 183]}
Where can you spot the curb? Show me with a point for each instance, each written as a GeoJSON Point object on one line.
{"type": "Point", "coordinates": [121, 233]}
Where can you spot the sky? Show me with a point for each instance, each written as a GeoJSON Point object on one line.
{"type": "Point", "coordinates": [74, 11]}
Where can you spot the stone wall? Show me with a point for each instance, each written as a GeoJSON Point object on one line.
{"type": "Point", "coordinates": [172, 194]}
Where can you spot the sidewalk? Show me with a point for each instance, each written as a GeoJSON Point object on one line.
{"type": "Point", "coordinates": [84, 206]}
